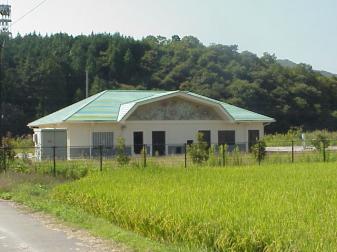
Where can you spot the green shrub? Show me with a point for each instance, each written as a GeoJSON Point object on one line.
{"type": "Point", "coordinates": [121, 157]}
{"type": "Point", "coordinates": [22, 165]}
{"type": "Point", "coordinates": [295, 134]}
{"type": "Point", "coordinates": [320, 141]}
{"type": "Point", "coordinates": [7, 153]}
{"type": "Point", "coordinates": [6, 195]}
{"type": "Point", "coordinates": [259, 150]}
{"type": "Point", "coordinates": [198, 151]}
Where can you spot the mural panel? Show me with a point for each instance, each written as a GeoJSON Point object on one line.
{"type": "Point", "coordinates": [174, 109]}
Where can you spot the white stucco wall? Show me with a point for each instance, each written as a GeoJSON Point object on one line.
{"type": "Point", "coordinates": [177, 132]}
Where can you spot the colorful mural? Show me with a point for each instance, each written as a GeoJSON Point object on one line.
{"type": "Point", "coordinates": [174, 109]}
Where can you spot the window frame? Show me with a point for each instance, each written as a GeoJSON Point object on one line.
{"type": "Point", "coordinates": [104, 139]}
{"type": "Point", "coordinates": [137, 149]}
{"type": "Point", "coordinates": [226, 141]}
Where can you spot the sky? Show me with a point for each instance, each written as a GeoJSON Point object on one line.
{"type": "Point", "coordinates": [299, 30]}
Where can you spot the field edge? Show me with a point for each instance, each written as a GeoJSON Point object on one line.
{"type": "Point", "coordinates": [36, 198]}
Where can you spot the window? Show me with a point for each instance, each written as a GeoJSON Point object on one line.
{"type": "Point", "coordinates": [138, 142]}
{"type": "Point", "coordinates": [226, 137]}
{"type": "Point", "coordinates": [105, 139]}
{"type": "Point", "coordinates": [189, 142]}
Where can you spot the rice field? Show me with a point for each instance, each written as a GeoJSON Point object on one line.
{"type": "Point", "coordinates": [274, 207]}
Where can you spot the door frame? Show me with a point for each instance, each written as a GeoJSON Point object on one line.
{"type": "Point", "coordinates": [161, 147]}
{"type": "Point", "coordinates": [251, 142]}
{"type": "Point", "coordinates": [134, 143]}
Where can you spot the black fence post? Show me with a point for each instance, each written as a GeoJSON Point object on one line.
{"type": "Point", "coordinates": [324, 154]}
{"type": "Point", "coordinates": [144, 154]}
{"type": "Point", "coordinates": [259, 152]}
{"type": "Point", "coordinates": [54, 161]}
{"type": "Point", "coordinates": [185, 155]}
{"type": "Point", "coordinates": [292, 151]}
{"type": "Point", "coordinates": [101, 158]}
{"type": "Point", "coordinates": [223, 156]}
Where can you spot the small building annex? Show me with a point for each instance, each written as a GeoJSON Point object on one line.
{"type": "Point", "coordinates": [164, 121]}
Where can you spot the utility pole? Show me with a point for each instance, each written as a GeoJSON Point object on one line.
{"type": "Point", "coordinates": [5, 24]}
{"type": "Point", "coordinates": [1, 98]}
{"type": "Point", "coordinates": [86, 83]}
{"type": "Point", "coordinates": [5, 32]}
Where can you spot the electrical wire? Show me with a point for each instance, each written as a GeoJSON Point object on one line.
{"type": "Point", "coordinates": [28, 12]}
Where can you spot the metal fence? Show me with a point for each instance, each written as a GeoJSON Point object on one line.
{"type": "Point", "coordinates": [57, 158]}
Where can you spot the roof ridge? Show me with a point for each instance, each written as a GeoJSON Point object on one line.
{"type": "Point", "coordinates": [86, 104]}
{"type": "Point", "coordinates": [135, 90]}
{"type": "Point", "coordinates": [204, 97]}
{"type": "Point", "coordinates": [149, 97]}
{"type": "Point", "coordinates": [167, 92]}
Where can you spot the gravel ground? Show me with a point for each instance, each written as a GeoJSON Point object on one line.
{"type": "Point", "coordinates": [21, 230]}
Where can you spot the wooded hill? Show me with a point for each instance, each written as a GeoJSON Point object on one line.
{"type": "Point", "coordinates": [42, 74]}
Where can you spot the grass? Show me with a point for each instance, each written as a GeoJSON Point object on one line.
{"type": "Point", "coordinates": [79, 168]}
{"type": "Point", "coordinates": [64, 169]}
{"type": "Point", "coordinates": [34, 190]}
{"type": "Point", "coordinates": [285, 139]}
{"type": "Point", "coordinates": [272, 207]}
{"type": "Point", "coordinates": [266, 208]}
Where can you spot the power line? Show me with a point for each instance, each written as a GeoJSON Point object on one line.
{"type": "Point", "coordinates": [28, 12]}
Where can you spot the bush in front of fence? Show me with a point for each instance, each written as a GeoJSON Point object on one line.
{"type": "Point", "coordinates": [259, 150]}
{"type": "Point", "coordinates": [198, 151]}
{"type": "Point", "coordinates": [321, 142]}
{"type": "Point", "coordinates": [121, 157]}
{"type": "Point", "coordinates": [7, 153]}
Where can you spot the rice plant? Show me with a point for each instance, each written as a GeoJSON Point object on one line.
{"type": "Point", "coordinates": [289, 207]}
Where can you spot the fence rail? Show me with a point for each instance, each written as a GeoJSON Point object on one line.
{"type": "Point", "coordinates": [101, 157]}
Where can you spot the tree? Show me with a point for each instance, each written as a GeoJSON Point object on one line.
{"type": "Point", "coordinates": [42, 74]}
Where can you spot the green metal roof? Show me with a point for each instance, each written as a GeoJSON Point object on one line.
{"type": "Point", "coordinates": [238, 114]}
{"type": "Point", "coordinates": [113, 105]}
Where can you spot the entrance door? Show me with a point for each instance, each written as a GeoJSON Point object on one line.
{"type": "Point", "coordinates": [158, 143]}
{"type": "Point", "coordinates": [138, 142]}
{"type": "Point", "coordinates": [253, 137]}
{"type": "Point", "coordinates": [206, 135]}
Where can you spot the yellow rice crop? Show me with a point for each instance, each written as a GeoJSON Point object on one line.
{"type": "Point", "coordinates": [267, 208]}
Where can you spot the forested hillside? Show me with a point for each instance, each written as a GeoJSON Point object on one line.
{"type": "Point", "coordinates": [44, 73]}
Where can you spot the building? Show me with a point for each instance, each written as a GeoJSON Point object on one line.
{"type": "Point", "coordinates": [164, 121]}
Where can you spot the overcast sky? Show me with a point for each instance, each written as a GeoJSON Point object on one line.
{"type": "Point", "coordinates": [299, 30]}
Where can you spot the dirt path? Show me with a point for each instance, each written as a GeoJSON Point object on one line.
{"type": "Point", "coordinates": [31, 232]}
